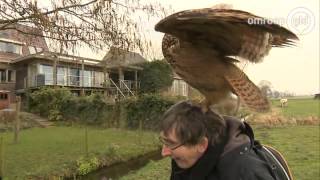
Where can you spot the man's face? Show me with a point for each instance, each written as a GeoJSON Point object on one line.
{"type": "Point", "coordinates": [184, 155]}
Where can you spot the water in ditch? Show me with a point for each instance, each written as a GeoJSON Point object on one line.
{"type": "Point", "coordinates": [116, 171]}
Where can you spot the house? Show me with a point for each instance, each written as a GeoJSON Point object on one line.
{"type": "Point", "coordinates": [15, 45]}
{"type": "Point", "coordinates": [123, 69]}
{"type": "Point", "coordinates": [26, 64]}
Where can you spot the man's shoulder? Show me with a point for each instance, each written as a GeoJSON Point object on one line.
{"type": "Point", "coordinates": [241, 158]}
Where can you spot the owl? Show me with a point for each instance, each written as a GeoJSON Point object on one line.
{"type": "Point", "coordinates": [204, 46]}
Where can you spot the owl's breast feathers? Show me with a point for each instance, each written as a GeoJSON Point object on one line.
{"type": "Point", "coordinates": [201, 68]}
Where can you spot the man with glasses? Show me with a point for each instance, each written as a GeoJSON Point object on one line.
{"type": "Point", "coordinates": [206, 146]}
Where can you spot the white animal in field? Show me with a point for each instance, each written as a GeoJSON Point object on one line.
{"type": "Point", "coordinates": [283, 102]}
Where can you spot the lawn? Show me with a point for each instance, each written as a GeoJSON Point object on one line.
{"type": "Point", "coordinates": [56, 150]}
{"type": "Point", "coordinates": [299, 107]}
{"type": "Point", "coordinates": [299, 144]}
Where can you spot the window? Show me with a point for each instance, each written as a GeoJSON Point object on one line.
{"type": "Point", "coordinates": [87, 78]}
{"type": "Point", "coordinates": [98, 79]}
{"type": "Point", "coordinates": [175, 87]}
{"type": "Point", "coordinates": [74, 77]}
{"type": "Point", "coordinates": [62, 76]}
{"type": "Point", "coordinates": [3, 74]}
{"type": "Point", "coordinates": [39, 49]}
{"type": "Point", "coordinates": [33, 74]}
{"type": "Point", "coordinates": [3, 96]}
{"type": "Point", "coordinates": [180, 88]}
{"type": "Point", "coordinates": [11, 76]}
{"type": "Point", "coordinates": [32, 50]}
{"type": "Point", "coordinates": [10, 47]}
{"type": "Point", "coordinates": [184, 88]}
{"type": "Point", "coordinates": [47, 70]}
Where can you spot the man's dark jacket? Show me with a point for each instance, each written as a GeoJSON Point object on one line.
{"type": "Point", "coordinates": [233, 160]}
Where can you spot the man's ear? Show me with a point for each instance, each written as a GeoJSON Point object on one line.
{"type": "Point", "coordinates": [203, 145]}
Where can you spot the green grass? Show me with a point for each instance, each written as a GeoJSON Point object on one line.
{"type": "Point", "coordinates": [299, 107]}
{"type": "Point", "coordinates": [54, 150]}
{"type": "Point", "coordinates": [299, 144]}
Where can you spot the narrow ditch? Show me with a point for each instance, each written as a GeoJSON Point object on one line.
{"type": "Point", "coordinates": [118, 170]}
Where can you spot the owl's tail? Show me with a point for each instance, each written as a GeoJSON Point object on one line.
{"type": "Point", "coordinates": [247, 91]}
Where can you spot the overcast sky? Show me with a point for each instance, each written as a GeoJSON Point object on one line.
{"type": "Point", "coordinates": [293, 69]}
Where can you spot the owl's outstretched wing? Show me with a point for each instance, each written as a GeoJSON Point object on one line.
{"type": "Point", "coordinates": [230, 32]}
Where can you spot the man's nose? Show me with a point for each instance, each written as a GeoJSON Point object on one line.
{"type": "Point", "coordinates": [165, 151]}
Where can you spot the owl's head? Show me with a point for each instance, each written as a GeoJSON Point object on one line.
{"type": "Point", "coordinates": [222, 6]}
{"type": "Point", "coordinates": [169, 43]}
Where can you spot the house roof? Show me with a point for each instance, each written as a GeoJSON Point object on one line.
{"type": "Point", "coordinates": [60, 57]}
{"type": "Point", "coordinates": [27, 39]}
{"type": "Point", "coordinates": [121, 58]}
{"type": "Point", "coordinates": [6, 57]}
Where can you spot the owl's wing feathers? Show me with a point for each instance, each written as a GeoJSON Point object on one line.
{"type": "Point", "coordinates": [228, 31]}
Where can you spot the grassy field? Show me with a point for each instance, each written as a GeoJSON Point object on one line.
{"type": "Point", "coordinates": [299, 144]}
{"type": "Point", "coordinates": [299, 107]}
{"type": "Point", "coordinates": [56, 150]}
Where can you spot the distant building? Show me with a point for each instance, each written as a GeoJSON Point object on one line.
{"type": "Point", "coordinates": [123, 69]}
{"type": "Point", "coordinates": [179, 86]}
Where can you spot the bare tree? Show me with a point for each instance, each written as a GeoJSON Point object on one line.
{"type": "Point", "coordinates": [265, 87]}
{"type": "Point", "coordinates": [276, 94]}
{"type": "Point", "coordinates": [72, 23]}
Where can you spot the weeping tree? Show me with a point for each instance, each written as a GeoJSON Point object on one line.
{"type": "Point", "coordinates": [72, 23]}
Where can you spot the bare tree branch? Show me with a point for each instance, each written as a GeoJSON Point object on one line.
{"type": "Point", "coordinates": [72, 23]}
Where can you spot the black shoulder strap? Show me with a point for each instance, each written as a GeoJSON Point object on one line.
{"type": "Point", "coordinates": [248, 131]}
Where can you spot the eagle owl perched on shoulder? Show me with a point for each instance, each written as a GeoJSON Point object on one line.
{"type": "Point", "coordinates": [201, 46]}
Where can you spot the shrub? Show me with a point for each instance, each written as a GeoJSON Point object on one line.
{"type": "Point", "coordinates": [156, 75]}
{"type": "Point", "coordinates": [140, 112]}
{"type": "Point", "coordinates": [49, 102]}
{"type": "Point", "coordinates": [87, 164]}
{"type": "Point", "coordinates": [59, 104]}
{"type": "Point", "coordinates": [146, 111]}
{"type": "Point", "coordinates": [87, 109]}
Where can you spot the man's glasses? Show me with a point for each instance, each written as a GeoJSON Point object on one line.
{"type": "Point", "coordinates": [171, 145]}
